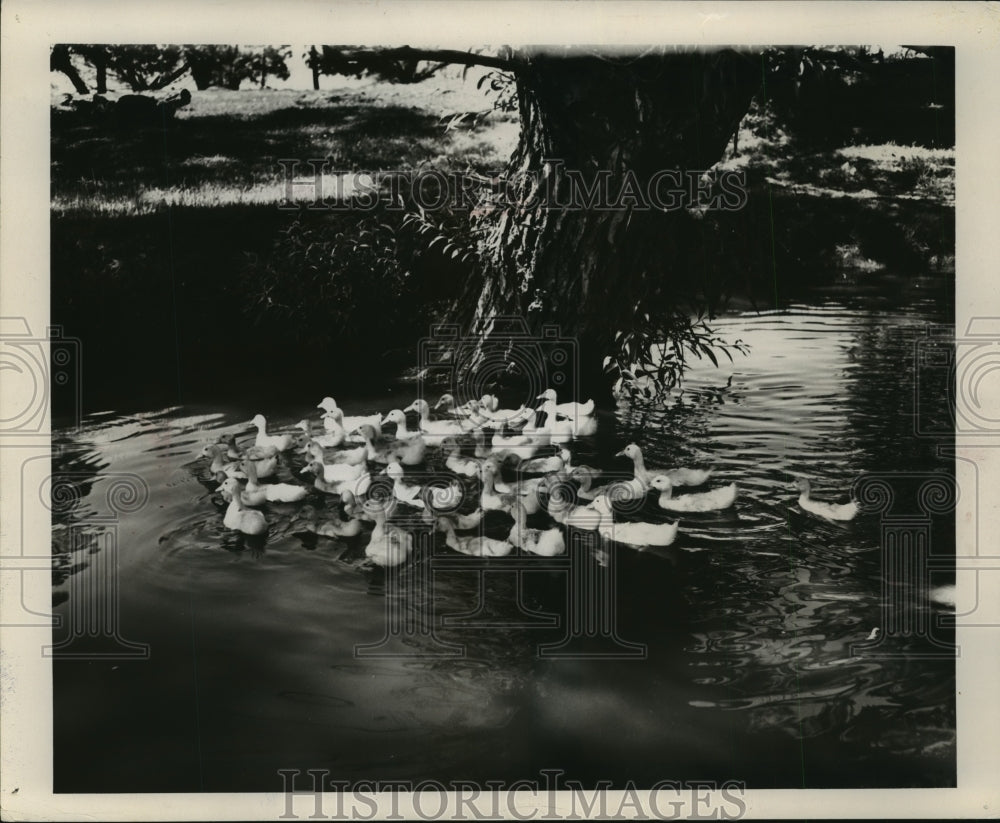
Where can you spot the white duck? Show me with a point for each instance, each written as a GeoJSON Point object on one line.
{"type": "Point", "coordinates": [278, 442]}
{"type": "Point", "coordinates": [618, 490]}
{"type": "Point", "coordinates": [336, 527]}
{"type": "Point", "coordinates": [555, 429]}
{"type": "Point", "coordinates": [829, 511]}
{"type": "Point", "coordinates": [677, 477]}
{"type": "Point", "coordinates": [219, 467]}
{"type": "Point", "coordinates": [574, 411]}
{"type": "Point", "coordinates": [469, 413]}
{"type": "Point", "coordinates": [399, 418]}
{"type": "Point", "coordinates": [273, 492]}
{"type": "Point", "coordinates": [438, 428]}
{"type": "Point", "coordinates": [239, 518]}
{"type": "Point", "coordinates": [633, 534]}
{"type": "Point", "coordinates": [358, 485]}
{"type": "Point", "coordinates": [389, 545]}
{"type": "Point", "coordinates": [404, 492]}
{"type": "Point", "coordinates": [334, 414]}
{"type": "Point", "coordinates": [562, 509]}
{"type": "Point", "coordinates": [546, 465]}
{"type": "Point", "coordinates": [475, 545]}
{"type": "Point", "coordinates": [463, 466]}
{"type": "Point", "coordinates": [490, 499]}
{"type": "Point", "coordinates": [336, 472]}
{"type": "Point", "coordinates": [330, 439]}
{"type": "Point", "coordinates": [720, 498]}
{"type": "Point", "coordinates": [544, 542]}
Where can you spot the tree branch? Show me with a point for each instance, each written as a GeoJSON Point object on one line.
{"type": "Point", "coordinates": [463, 58]}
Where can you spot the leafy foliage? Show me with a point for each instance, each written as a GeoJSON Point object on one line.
{"type": "Point", "coordinates": [341, 285]}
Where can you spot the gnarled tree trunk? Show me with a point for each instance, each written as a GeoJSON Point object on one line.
{"type": "Point", "coordinates": [621, 122]}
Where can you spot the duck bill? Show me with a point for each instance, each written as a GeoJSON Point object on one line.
{"type": "Point", "coordinates": [621, 453]}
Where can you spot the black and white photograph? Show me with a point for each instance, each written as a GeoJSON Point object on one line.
{"type": "Point", "coordinates": [533, 424]}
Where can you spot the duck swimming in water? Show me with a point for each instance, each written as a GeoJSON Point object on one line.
{"type": "Point", "coordinates": [720, 498]}
{"type": "Point", "coordinates": [828, 511]}
{"type": "Point", "coordinates": [278, 442]}
{"type": "Point", "coordinates": [677, 477]}
{"type": "Point", "coordinates": [633, 534]}
{"type": "Point", "coordinates": [238, 518]}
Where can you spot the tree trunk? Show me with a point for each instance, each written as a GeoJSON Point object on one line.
{"type": "Point", "coordinates": [102, 78]}
{"type": "Point", "coordinates": [591, 270]}
{"type": "Point", "coordinates": [59, 60]}
{"type": "Point", "coordinates": [314, 65]}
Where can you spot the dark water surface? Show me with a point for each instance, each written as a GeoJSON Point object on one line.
{"type": "Point", "coordinates": [746, 622]}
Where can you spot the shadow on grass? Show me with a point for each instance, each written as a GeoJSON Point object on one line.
{"type": "Point", "coordinates": [236, 150]}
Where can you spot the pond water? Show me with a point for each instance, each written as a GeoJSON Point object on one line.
{"type": "Point", "coordinates": [729, 654]}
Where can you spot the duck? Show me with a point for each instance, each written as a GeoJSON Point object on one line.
{"type": "Point", "coordinates": [529, 492]}
{"type": "Point", "coordinates": [238, 518]}
{"type": "Point", "coordinates": [358, 485]}
{"type": "Point", "coordinates": [264, 458]}
{"type": "Point", "coordinates": [337, 527]}
{"type": "Point", "coordinates": [440, 428]}
{"type": "Point", "coordinates": [720, 498]}
{"type": "Point", "coordinates": [278, 442]}
{"type": "Point", "coordinates": [336, 472]}
{"type": "Point", "coordinates": [253, 451]}
{"type": "Point", "coordinates": [633, 534]}
{"type": "Point", "coordinates": [512, 418]}
{"type": "Point", "coordinates": [389, 545]}
{"type": "Point", "coordinates": [829, 511]}
{"type": "Point", "coordinates": [454, 462]}
{"type": "Point", "coordinates": [544, 542]}
{"type": "Point", "coordinates": [333, 414]}
{"type": "Point", "coordinates": [562, 509]}
{"type": "Point", "coordinates": [273, 492]}
{"type": "Point", "coordinates": [374, 452]}
{"type": "Point", "coordinates": [330, 439]}
{"type": "Point", "coordinates": [404, 492]}
{"type": "Point", "coordinates": [677, 477]}
{"type": "Point", "coordinates": [253, 498]}
{"type": "Point", "coordinates": [618, 490]}
{"type": "Point", "coordinates": [399, 418]}
{"type": "Point", "coordinates": [554, 464]}
{"type": "Point", "coordinates": [490, 499]}
{"type": "Point", "coordinates": [220, 469]}
{"type": "Point", "coordinates": [469, 413]}
{"type": "Point", "coordinates": [555, 429]}
{"type": "Point", "coordinates": [475, 545]}
{"type": "Point", "coordinates": [574, 411]}
{"type": "Point", "coordinates": [353, 507]}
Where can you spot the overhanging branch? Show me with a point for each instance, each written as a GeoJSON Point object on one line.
{"type": "Point", "coordinates": [455, 56]}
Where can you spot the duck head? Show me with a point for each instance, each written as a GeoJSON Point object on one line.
{"type": "Point", "coordinates": [395, 416]}
{"type": "Point", "coordinates": [327, 404]}
{"type": "Point", "coordinates": [631, 451]}
{"type": "Point", "coordinates": [548, 394]}
{"type": "Point", "coordinates": [259, 421]}
{"type": "Point", "coordinates": [662, 483]}
{"type": "Point", "coordinates": [446, 400]}
{"type": "Point", "coordinates": [421, 407]}
{"type": "Point", "coordinates": [802, 485]}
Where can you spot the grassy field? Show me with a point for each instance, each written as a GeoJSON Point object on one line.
{"type": "Point", "coordinates": [223, 149]}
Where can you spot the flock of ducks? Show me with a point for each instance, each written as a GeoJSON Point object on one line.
{"type": "Point", "coordinates": [475, 445]}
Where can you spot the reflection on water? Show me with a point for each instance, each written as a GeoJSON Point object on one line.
{"type": "Point", "coordinates": [746, 624]}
